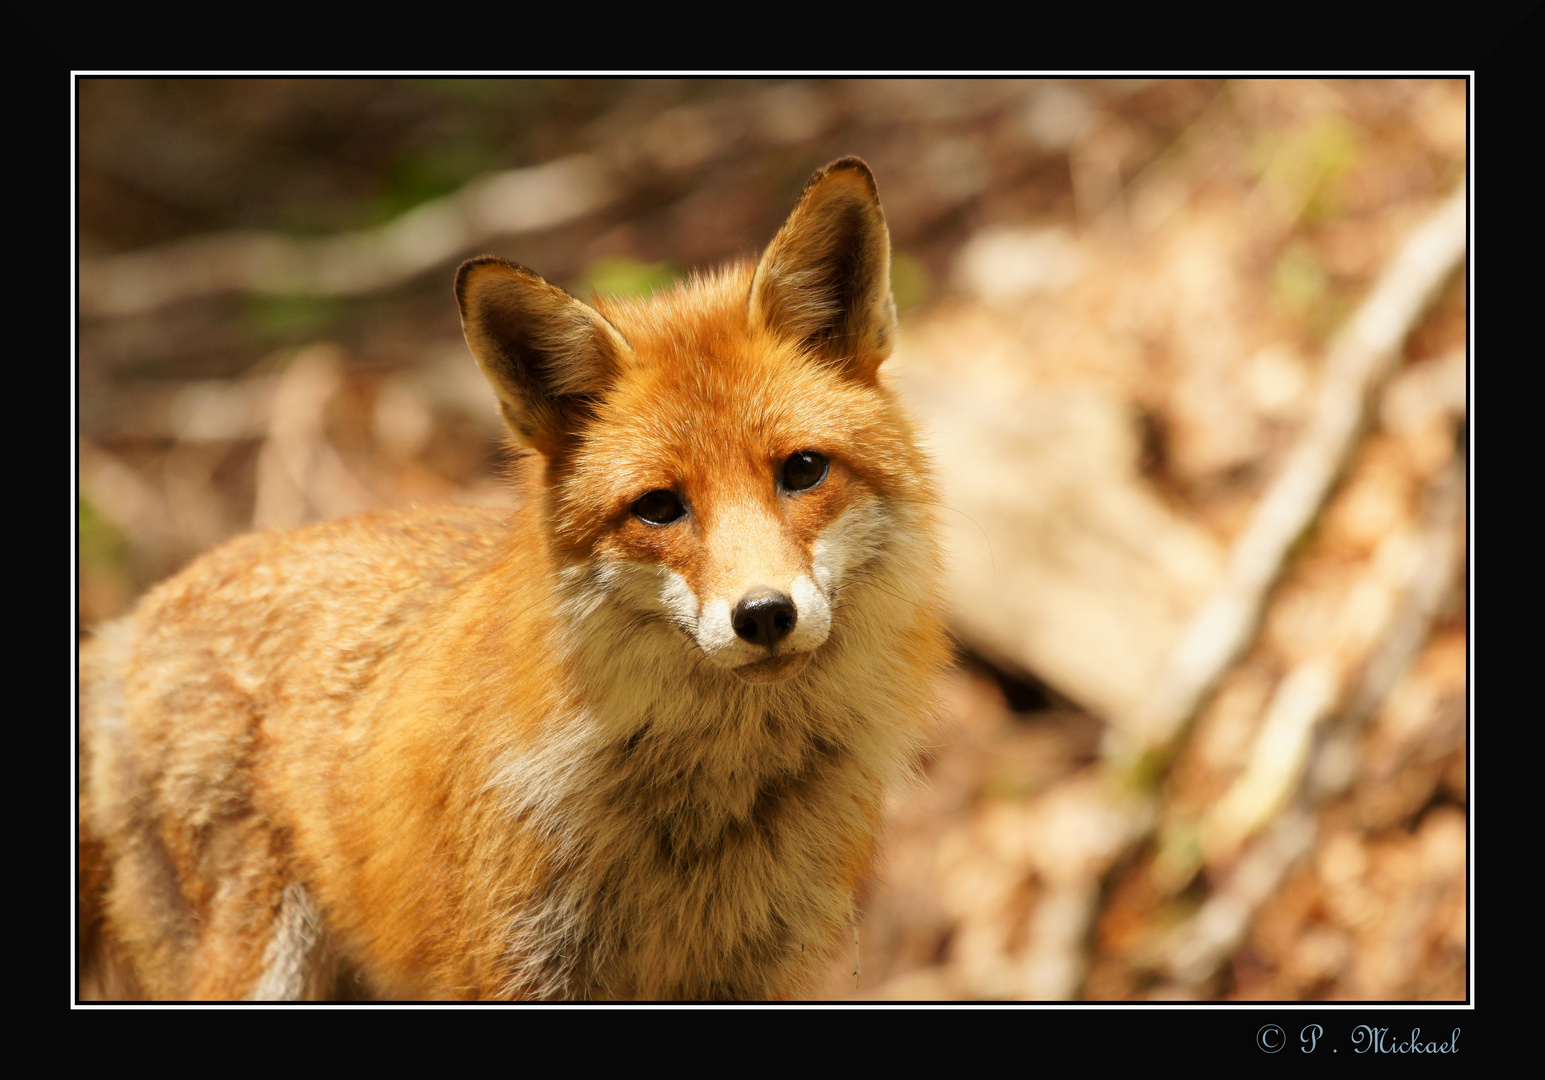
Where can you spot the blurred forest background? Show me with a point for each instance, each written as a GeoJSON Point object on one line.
{"type": "Point", "coordinates": [1191, 357]}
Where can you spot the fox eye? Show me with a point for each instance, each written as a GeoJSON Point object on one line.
{"type": "Point", "coordinates": [804, 470]}
{"type": "Point", "coordinates": [658, 507]}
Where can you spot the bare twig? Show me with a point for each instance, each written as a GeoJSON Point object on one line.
{"type": "Point", "coordinates": [1358, 360]}
{"type": "Point", "coordinates": [1265, 822]}
{"type": "Point", "coordinates": [1272, 789]}
{"type": "Point", "coordinates": [1437, 565]}
{"type": "Point", "coordinates": [629, 145]}
{"type": "Point", "coordinates": [300, 477]}
{"type": "Point", "coordinates": [521, 200]}
{"type": "Point", "coordinates": [130, 505]}
{"type": "Point", "coordinates": [1277, 759]}
{"type": "Point", "coordinates": [1200, 945]}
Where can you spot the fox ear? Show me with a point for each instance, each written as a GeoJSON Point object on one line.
{"type": "Point", "coordinates": [825, 279]}
{"type": "Point", "coordinates": [547, 355]}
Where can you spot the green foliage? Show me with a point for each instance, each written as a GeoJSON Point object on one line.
{"type": "Point", "coordinates": [911, 284]}
{"type": "Point", "coordinates": [486, 92]}
{"type": "Point", "coordinates": [1179, 855]}
{"type": "Point", "coordinates": [434, 171]}
{"type": "Point", "coordinates": [101, 545]}
{"type": "Point", "coordinates": [1144, 775]}
{"type": "Point", "coordinates": [1302, 288]}
{"type": "Point", "coordinates": [289, 317]}
{"type": "Point", "coordinates": [1302, 166]}
{"type": "Point", "coordinates": [618, 275]}
{"type": "Point", "coordinates": [1298, 280]}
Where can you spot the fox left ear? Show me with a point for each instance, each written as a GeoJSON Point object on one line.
{"type": "Point", "coordinates": [825, 279]}
{"type": "Point", "coordinates": [547, 355]}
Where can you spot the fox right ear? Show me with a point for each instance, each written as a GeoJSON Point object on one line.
{"type": "Point", "coordinates": [547, 355]}
{"type": "Point", "coordinates": [824, 281]}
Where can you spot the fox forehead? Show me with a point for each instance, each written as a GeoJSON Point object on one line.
{"type": "Point", "coordinates": [706, 405]}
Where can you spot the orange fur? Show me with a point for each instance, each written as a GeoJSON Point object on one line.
{"type": "Point", "coordinates": [578, 753]}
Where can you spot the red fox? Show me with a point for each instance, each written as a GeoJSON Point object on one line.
{"type": "Point", "coordinates": [631, 742]}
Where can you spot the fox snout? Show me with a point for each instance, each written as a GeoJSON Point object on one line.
{"type": "Point", "coordinates": [752, 594]}
{"type": "Point", "coordinates": [764, 633]}
{"type": "Point", "coordinates": [766, 620]}
{"type": "Point", "coordinates": [764, 617]}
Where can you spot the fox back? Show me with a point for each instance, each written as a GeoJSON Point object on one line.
{"type": "Point", "coordinates": [632, 742]}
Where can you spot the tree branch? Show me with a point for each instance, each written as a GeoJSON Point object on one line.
{"type": "Point", "coordinates": [1359, 359]}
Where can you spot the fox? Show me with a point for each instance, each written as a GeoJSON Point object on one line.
{"type": "Point", "coordinates": [632, 741]}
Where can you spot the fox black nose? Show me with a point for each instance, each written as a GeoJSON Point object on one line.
{"type": "Point", "coordinates": [765, 617]}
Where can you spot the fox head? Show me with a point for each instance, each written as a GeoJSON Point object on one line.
{"type": "Point", "coordinates": [722, 458]}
